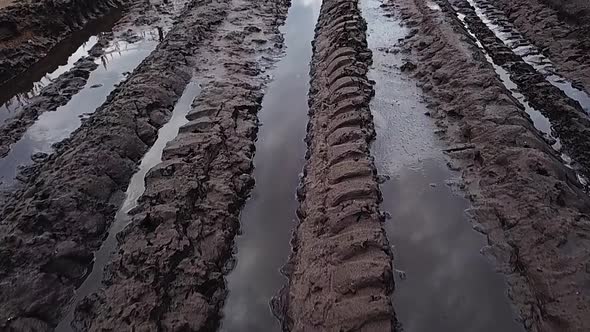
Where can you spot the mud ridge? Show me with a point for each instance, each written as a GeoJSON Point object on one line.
{"type": "Point", "coordinates": [340, 271]}
{"type": "Point", "coordinates": [51, 228]}
{"type": "Point", "coordinates": [28, 30]}
{"type": "Point", "coordinates": [168, 272]}
{"type": "Point", "coordinates": [560, 28]}
{"type": "Point", "coordinates": [569, 120]}
{"type": "Point", "coordinates": [528, 204]}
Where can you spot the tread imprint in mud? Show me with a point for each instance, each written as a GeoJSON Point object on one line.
{"type": "Point", "coordinates": [53, 225]}
{"type": "Point", "coordinates": [168, 273]}
{"type": "Point", "coordinates": [341, 269]}
{"type": "Point", "coordinates": [525, 200]}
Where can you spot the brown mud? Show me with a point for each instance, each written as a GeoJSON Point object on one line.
{"type": "Point", "coordinates": [340, 272]}
{"type": "Point", "coordinates": [29, 30]}
{"type": "Point", "coordinates": [561, 28]}
{"type": "Point", "coordinates": [525, 200]}
{"type": "Point", "coordinates": [168, 271]}
{"type": "Point", "coordinates": [569, 120]}
{"type": "Point", "coordinates": [52, 226]}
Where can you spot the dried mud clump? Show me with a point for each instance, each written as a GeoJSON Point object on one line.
{"type": "Point", "coordinates": [29, 29]}
{"type": "Point", "coordinates": [340, 271]}
{"type": "Point", "coordinates": [530, 206]}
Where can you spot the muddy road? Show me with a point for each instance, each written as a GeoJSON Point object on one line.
{"type": "Point", "coordinates": [295, 165]}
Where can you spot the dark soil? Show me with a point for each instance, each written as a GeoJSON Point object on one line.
{"type": "Point", "coordinates": [525, 200]}
{"type": "Point", "coordinates": [53, 225]}
{"type": "Point", "coordinates": [168, 273]}
{"type": "Point", "coordinates": [561, 28]}
{"type": "Point", "coordinates": [29, 30]}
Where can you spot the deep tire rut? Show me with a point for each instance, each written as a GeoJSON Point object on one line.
{"type": "Point", "coordinates": [53, 225]}
{"type": "Point", "coordinates": [168, 273]}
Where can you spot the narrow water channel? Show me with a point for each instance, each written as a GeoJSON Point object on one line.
{"type": "Point", "coordinates": [443, 283]}
{"type": "Point", "coordinates": [269, 215]}
{"type": "Point", "coordinates": [135, 189]}
{"type": "Point", "coordinates": [52, 127]}
{"type": "Point", "coordinates": [510, 36]}
{"type": "Point", "coordinates": [16, 93]}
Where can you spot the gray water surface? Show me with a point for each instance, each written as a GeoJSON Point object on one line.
{"type": "Point", "coordinates": [443, 282]}
{"type": "Point", "coordinates": [269, 216]}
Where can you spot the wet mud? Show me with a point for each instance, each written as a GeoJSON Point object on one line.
{"type": "Point", "coordinates": [569, 120]}
{"type": "Point", "coordinates": [171, 259]}
{"type": "Point", "coordinates": [524, 199]}
{"type": "Point", "coordinates": [561, 29]}
{"type": "Point", "coordinates": [269, 216]}
{"type": "Point", "coordinates": [441, 276]}
{"type": "Point", "coordinates": [340, 272]}
{"type": "Point", "coordinates": [29, 30]}
{"type": "Point", "coordinates": [52, 226]}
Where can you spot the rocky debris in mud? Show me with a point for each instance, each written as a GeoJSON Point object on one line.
{"type": "Point", "coordinates": [561, 28]}
{"type": "Point", "coordinates": [73, 196]}
{"type": "Point", "coordinates": [524, 199]}
{"type": "Point", "coordinates": [568, 119]}
{"type": "Point", "coordinates": [29, 29]}
{"type": "Point", "coordinates": [168, 273]}
{"type": "Point", "coordinates": [340, 272]}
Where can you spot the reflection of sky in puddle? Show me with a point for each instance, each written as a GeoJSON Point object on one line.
{"type": "Point", "coordinates": [268, 217]}
{"type": "Point", "coordinates": [135, 189]}
{"type": "Point", "coordinates": [15, 103]}
{"type": "Point", "coordinates": [448, 285]}
{"type": "Point", "coordinates": [52, 127]}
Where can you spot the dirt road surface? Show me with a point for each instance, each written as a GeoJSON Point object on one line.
{"type": "Point", "coordinates": [150, 151]}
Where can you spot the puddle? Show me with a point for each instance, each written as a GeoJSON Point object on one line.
{"type": "Point", "coordinates": [16, 93]}
{"type": "Point", "coordinates": [540, 121]}
{"type": "Point", "coordinates": [136, 188]}
{"type": "Point", "coordinates": [533, 56]}
{"type": "Point", "coordinates": [52, 127]}
{"type": "Point", "coordinates": [269, 215]}
{"type": "Point", "coordinates": [443, 283]}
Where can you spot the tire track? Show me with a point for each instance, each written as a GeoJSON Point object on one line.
{"type": "Point", "coordinates": [51, 228]}
{"type": "Point", "coordinates": [30, 29]}
{"type": "Point", "coordinates": [168, 273]}
{"type": "Point", "coordinates": [568, 118]}
{"type": "Point", "coordinates": [340, 271]}
{"type": "Point", "coordinates": [528, 204]}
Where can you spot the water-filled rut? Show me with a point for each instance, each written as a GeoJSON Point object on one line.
{"type": "Point", "coordinates": [269, 215]}
{"type": "Point", "coordinates": [441, 275]}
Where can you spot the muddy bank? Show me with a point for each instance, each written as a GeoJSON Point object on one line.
{"type": "Point", "coordinates": [569, 120]}
{"type": "Point", "coordinates": [29, 30]}
{"type": "Point", "coordinates": [168, 271]}
{"type": "Point", "coordinates": [138, 17]}
{"type": "Point", "coordinates": [54, 224]}
{"type": "Point", "coordinates": [340, 271]}
{"type": "Point", "coordinates": [527, 203]}
{"type": "Point", "coordinates": [560, 28]}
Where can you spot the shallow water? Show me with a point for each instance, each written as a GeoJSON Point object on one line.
{"type": "Point", "coordinates": [16, 93]}
{"type": "Point", "coordinates": [52, 127]}
{"type": "Point", "coordinates": [269, 216]}
{"type": "Point", "coordinates": [443, 282]}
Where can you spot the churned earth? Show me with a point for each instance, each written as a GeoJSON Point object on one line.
{"type": "Point", "coordinates": [304, 165]}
